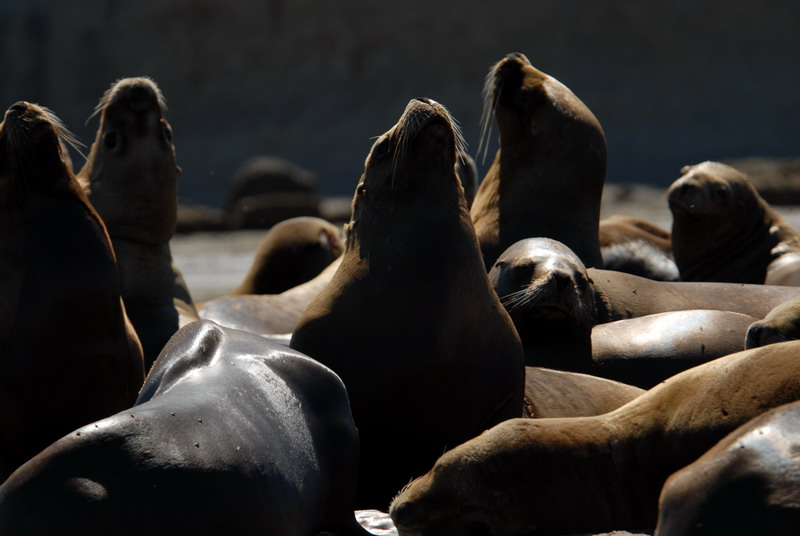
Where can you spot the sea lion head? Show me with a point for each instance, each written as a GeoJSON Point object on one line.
{"type": "Point", "coordinates": [709, 195]}
{"type": "Point", "coordinates": [409, 168]}
{"type": "Point", "coordinates": [721, 228]}
{"type": "Point", "coordinates": [543, 279]}
{"type": "Point", "coordinates": [530, 106]}
{"type": "Point", "coordinates": [476, 489]}
{"type": "Point", "coordinates": [780, 325]}
{"type": "Point", "coordinates": [32, 156]}
{"type": "Point", "coordinates": [131, 174]}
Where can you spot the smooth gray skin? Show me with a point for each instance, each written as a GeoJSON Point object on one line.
{"type": "Point", "coordinates": [231, 435]}
{"type": "Point", "coordinates": [749, 483]}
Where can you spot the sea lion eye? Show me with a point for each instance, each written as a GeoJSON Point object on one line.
{"type": "Point", "coordinates": [111, 140]}
{"type": "Point", "coordinates": [722, 192]}
{"type": "Point", "coordinates": [382, 148]}
{"type": "Point", "coordinates": [166, 131]}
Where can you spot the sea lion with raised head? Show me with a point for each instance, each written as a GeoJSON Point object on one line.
{"type": "Point", "coordinates": [722, 230]}
{"type": "Point", "coordinates": [68, 356]}
{"type": "Point", "coordinates": [748, 483]}
{"type": "Point", "coordinates": [230, 435]}
{"type": "Point", "coordinates": [556, 303]}
{"type": "Point", "coordinates": [637, 247]}
{"type": "Point", "coordinates": [411, 337]}
{"type": "Point", "coordinates": [547, 177]}
{"type": "Point", "coordinates": [595, 474]}
{"type": "Point", "coordinates": [131, 177]}
{"type": "Point", "coordinates": [291, 253]}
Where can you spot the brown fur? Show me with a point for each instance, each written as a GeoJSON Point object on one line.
{"type": "Point", "coordinates": [564, 476]}
{"type": "Point", "coordinates": [723, 230]}
{"type": "Point", "coordinates": [781, 324]}
{"type": "Point", "coordinates": [69, 356]}
{"type": "Point", "coordinates": [557, 393]}
{"type": "Point", "coordinates": [131, 177]}
{"type": "Point", "coordinates": [637, 247]}
{"type": "Point", "coordinates": [291, 253]}
{"type": "Point", "coordinates": [548, 174]}
{"type": "Point", "coordinates": [555, 302]}
{"type": "Point", "coordinates": [269, 313]}
{"type": "Point", "coordinates": [409, 320]}
{"type": "Point", "coordinates": [748, 483]}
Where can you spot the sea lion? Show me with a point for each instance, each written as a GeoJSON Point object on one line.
{"type": "Point", "coordinates": [649, 349]}
{"type": "Point", "coordinates": [557, 393]}
{"type": "Point", "coordinates": [68, 354]}
{"type": "Point", "coordinates": [781, 324]}
{"type": "Point", "coordinates": [722, 230]}
{"type": "Point", "coordinates": [748, 483]}
{"type": "Point", "coordinates": [637, 247]}
{"type": "Point", "coordinates": [548, 174]}
{"type": "Point", "coordinates": [230, 435]}
{"type": "Point", "coordinates": [266, 190]}
{"type": "Point", "coordinates": [292, 252]}
{"type": "Point", "coordinates": [556, 303]}
{"type": "Point", "coordinates": [594, 474]}
{"type": "Point", "coordinates": [268, 314]}
{"type": "Point", "coordinates": [409, 336]}
{"type": "Point", "coordinates": [131, 177]}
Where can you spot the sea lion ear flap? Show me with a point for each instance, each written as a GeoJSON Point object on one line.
{"type": "Point", "coordinates": [685, 170]}
{"type": "Point", "coordinates": [179, 169]}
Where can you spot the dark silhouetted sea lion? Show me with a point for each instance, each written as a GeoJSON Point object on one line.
{"type": "Point", "coordinates": [231, 435]}
{"type": "Point", "coordinates": [557, 305]}
{"type": "Point", "coordinates": [593, 474]}
{"type": "Point", "coordinates": [68, 356]}
{"type": "Point", "coordinates": [131, 177]}
{"type": "Point", "coordinates": [722, 230]}
{"type": "Point", "coordinates": [748, 483]}
{"type": "Point", "coordinates": [409, 320]}
{"type": "Point", "coordinates": [547, 177]}
{"type": "Point", "coordinates": [637, 247]}
{"type": "Point", "coordinates": [291, 253]}
{"type": "Point", "coordinates": [266, 190]}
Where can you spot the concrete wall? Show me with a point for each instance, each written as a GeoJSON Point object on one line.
{"type": "Point", "coordinates": [673, 82]}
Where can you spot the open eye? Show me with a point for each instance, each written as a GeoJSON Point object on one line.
{"type": "Point", "coordinates": [721, 192]}
{"type": "Point", "coordinates": [111, 141]}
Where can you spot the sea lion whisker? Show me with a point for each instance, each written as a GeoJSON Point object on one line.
{"type": "Point", "coordinates": [63, 133]}
{"type": "Point", "coordinates": [489, 93]}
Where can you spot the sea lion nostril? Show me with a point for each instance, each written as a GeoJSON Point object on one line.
{"type": "Point", "coordinates": [407, 514]}
{"type": "Point", "coordinates": [141, 98]}
{"type": "Point", "coordinates": [423, 99]}
{"type": "Point", "coordinates": [19, 106]}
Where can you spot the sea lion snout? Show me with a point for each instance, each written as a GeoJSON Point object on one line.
{"type": "Point", "coordinates": [18, 107]}
{"type": "Point", "coordinates": [406, 515]}
{"type": "Point", "coordinates": [141, 97]}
